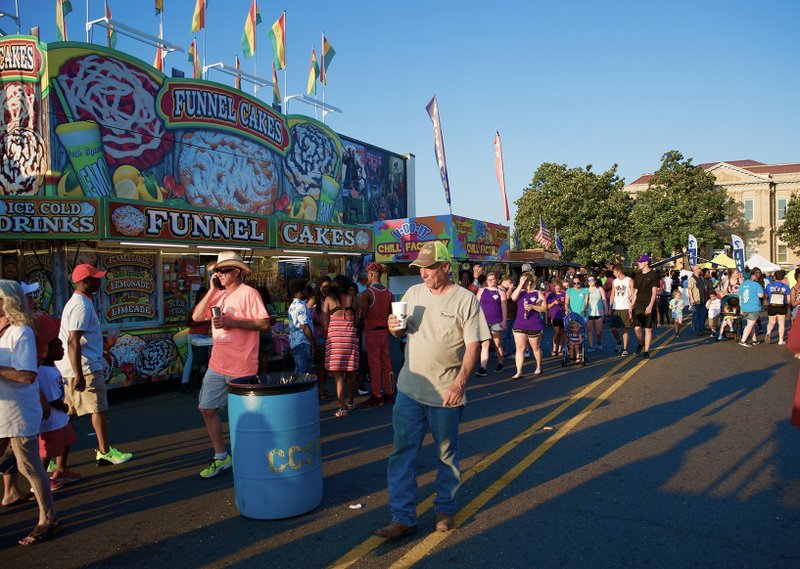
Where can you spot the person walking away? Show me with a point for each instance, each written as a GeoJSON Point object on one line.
{"type": "Point", "coordinates": [596, 310]}
{"type": "Point", "coordinates": [56, 435]}
{"type": "Point", "coordinates": [556, 303]}
{"type": "Point", "coordinates": [621, 307]}
{"type": "Point", "coordinates": [676, 311]}
{"type": "Point", "coordinates": [511, 315]}
{"type": "Point", "coordinates": [697, 298]}
{"type": "Point", "coordinates": [750, 295]}
{"type": "Point", "coordinates": [645, 288]}
{"type": "Point", "coordinates": [315, 303]}
{"type": "Point", "coordinates": [301, 330]}
{"type": "Point", "coordinates": [20, 405]}
{"type": "Point", "coordinates": [494, 304]}
{"type": "Point", "coordinates": [713, 308]}
{"type": "Point", "coordinates": [528, 327]}
{"type": "Point", "coordinates": [777, 293]}
{"type": "Point", "coordinates": [444, 329]}
{"type": "Point", "coordinates": [237, 315]}
{"type": "Point", "coordinates": [375, 303]}
{"type": "Point", "coordinates": [83, 366]}
{"type": "Point", "coordinates": [197, 330]}
{"type": "Point", "coordinates": [664, 296]}
{"type": "Point", "coordinates": [340, 322]}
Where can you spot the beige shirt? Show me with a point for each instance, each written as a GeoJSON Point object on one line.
{"type": "Point", "coordinates": [439, 328]}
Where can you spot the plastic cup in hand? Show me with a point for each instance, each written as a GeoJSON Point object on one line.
{"type": "Point", "coordinates": [215, 312]}
{"type": "Point", "coordinates": [400, 311]}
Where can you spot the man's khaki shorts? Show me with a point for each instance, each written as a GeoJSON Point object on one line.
{"type": "Point", "coordinates": [90, 400]}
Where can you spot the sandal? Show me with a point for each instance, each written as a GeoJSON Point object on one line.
{"type": "Point", "coordinates": [19, 501]}
{"type": "Point", "coordinates": [553, 354]}
{"type": "Point", "coordinates": [325, 396]}
{"type": "Point", "coordinates": [41, 533]}
{"type": "Point", "coordinates": [351, 406]}
{"type": "Point", "coordinates": [516, 377]}
{"type": "Point", "coordinates": [341, 413]}
{"type": "Point", "coordinates": [537, 372]}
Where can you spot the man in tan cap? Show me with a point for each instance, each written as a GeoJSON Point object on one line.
{"type": "Point", "coordinates": [444, 328]}
{"type": "Point", "coordinates": [83, 365]}
{"type": "Point", "coordinates": [234, 331]}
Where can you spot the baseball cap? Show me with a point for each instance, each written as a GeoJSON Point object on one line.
{"type": "Point", "coordinates": [432, 252]}
{"type": "Point", "coordinates": [591, 279]}
{"type": "Point", "coordinates": [84, 271]}
{"type": "Point", "coordinates": [29, 288]}
{"type": "Point", "coordinates": [527, 267]}
{"type": "Point", "coordinates": [644, 258]}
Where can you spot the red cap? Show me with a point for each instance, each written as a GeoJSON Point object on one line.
{"type": "Point", "coordinates": [83, 271]}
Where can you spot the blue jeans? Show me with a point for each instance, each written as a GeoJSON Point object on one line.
{"type": "Point", "coordinates": [699, 317]}
{"type": "Point", "coordinates": [411, 420]}
{"type": "Point", "coordinates": [303, 358]}
{"type": "Point", "coordinates": [509, 348]}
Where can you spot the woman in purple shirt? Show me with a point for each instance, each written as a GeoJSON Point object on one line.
{"type": "Point", "coordinates": [528, 326]}
{"type": "Point", "coordinates": [556, 301]}
{"type": "Point", "coordinates": [493, 303]}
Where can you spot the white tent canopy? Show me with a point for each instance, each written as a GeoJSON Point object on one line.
{"type": "Point", "coordinates": [762, 263]}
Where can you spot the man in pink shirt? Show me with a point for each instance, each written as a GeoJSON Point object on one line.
{"type": "Point", "coordinates": [235, 351]}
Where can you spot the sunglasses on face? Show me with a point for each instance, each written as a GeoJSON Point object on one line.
{"type": "Point", "coordinates": [576, 282]}
{"type": "Point", "coordinates": [226, 270]}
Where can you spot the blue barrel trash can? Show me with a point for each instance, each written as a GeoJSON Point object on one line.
{"type": "Point", "coordinates": [275, 440]}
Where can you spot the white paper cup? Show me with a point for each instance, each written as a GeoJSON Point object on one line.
{"type": "Point", "coordinates": [400, 310]}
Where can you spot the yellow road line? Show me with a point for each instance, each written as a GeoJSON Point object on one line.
{"type": "Point", "coordinates": [424, 547]}
{"type": "Point", "coordinates": [374, 542]}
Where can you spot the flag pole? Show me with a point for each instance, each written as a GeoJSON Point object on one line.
{"type": "Point", "coordinates": [205, 26]}
{"type": "Point", "coordinates": [161, 37]}
{"type": "Point", "coordinates": [87, 21]}
{"type": "Point", "coordinates": [285, 108]}
{"type": "Point", "coordinates": [324, 71]}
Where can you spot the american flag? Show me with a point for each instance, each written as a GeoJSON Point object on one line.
{"type": "Point", "coordinates": [559, 244]}
{"type": "Point", "coordinates": [543, 235]}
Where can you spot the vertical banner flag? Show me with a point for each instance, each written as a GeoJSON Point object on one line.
{"type": "Point", "coordinates": [158, 62]}
{"type": "Point", "coordinates": [199, 16]}
{"type": "Point", "coordinates": [543, 235]}
{"type": "Point", "coordinates": [438, 143]}
{"type": "Point", "coordinates": [276, 92]}
{"type": "Point", "coordinates": [557, 239]}
{"type": "Point", "coordinates": [238, 81]}
{"type": "Point", "coordinates": [63, 7]}
{"type": "Point", "coordinates": [195, 59]}
{"type": "Point", "coordinates": [111, 33]}
{"type": "Point", "coordinates": [159, 6]}
{"type": "Point", "coordinates": [500, 173]}
{"type": "Point", "coordinates": [738, 252]}
{"type": "Point", "coordinates": [313, 73]}
{"type": "Point", "coordinates": [692, 250]}
{"type": "Point", "coordinates": [277, 35]}
{"type": "Point", "coordinates": [327, 56]}
{"type": "Point", "coordinates": [249, 34]}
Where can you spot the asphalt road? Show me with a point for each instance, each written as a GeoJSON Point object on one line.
{"type": "Point", "coordinates": [684, 460]}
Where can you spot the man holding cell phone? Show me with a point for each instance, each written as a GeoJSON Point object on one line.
{"type": "Point", "coordinates": [237, 315]}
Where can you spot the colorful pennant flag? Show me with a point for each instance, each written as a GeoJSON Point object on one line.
{"type": "Point", "coordinates": [199, 16]}
{"type": "Point", "coordinates": [249, 34]}
{"type": "Point", "coordinates": [277, 35]}
{"type": "Point", "coordinates": [276, 92]}
{"type": "Point", "coordinates": [313, 74]}
{"type": "Point", "coordinates": [500, 173]}
{"type": "Point", "coordinates": [327, 56]}
{"type": "Point", "coordinates": [63, 7]}
{"type": "Point", "coordinates": [158, 62]}
{"type": "Point", "coordinates": [543, 235]}
{"type": "Point", "coordinates": [111, 33]}
{"type": "Point", "coordinates": [195, 59]}
{"type": "Point", "coordinates": [238, 81]}
{"type": "Point", "coordinates": [557, 239]}
{"type": "Point", "coordinates": [159, 6]}
{"type": "Point", "coordinates": [438, 145]}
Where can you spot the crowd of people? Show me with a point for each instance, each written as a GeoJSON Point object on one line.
{"type": "Point", "coordinates": [340, 329]}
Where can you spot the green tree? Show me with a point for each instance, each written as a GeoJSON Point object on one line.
{"type": "Point", "coordinates": [680, 199]}
{"type": "Point", "coordinates": [789, 232]}
{"type": "Point", "coordinates": [584, 206]}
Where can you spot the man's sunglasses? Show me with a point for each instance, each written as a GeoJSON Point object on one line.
{"type": "Point", "coordinates": [226, 270]}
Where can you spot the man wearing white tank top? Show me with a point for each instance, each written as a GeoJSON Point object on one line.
{"type": "Point", "coordinates": [621, 304]}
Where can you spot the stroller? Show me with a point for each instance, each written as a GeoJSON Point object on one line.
{"type": "Point", "coordinates": [579, 324]}
{"type": "Point", "coordinates": [736, 316]}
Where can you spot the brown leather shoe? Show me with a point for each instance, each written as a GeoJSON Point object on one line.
{"type": "Point", "coordinates": [444, 522]}
{"type": "Point", "coordinates": [395, 531]}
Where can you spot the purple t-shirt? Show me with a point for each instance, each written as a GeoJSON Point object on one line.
{"type": "Point", "coordinates": [492, 307]}
{"type": "Point", "coordinates": [528, 320]}
{"type": "Point", "coordinates": [557, 311]}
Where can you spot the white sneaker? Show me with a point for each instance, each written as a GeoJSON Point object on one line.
{"type": "Point", "coordinates": [781, 343]}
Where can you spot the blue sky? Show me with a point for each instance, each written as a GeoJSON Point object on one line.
{"type": "Point", "coordinates": [576, 82]}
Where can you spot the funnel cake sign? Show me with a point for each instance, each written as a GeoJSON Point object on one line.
{"type": "Point", "coordinates": [20, 59]}
{"type": "Point", "coordinates": [189, 103]}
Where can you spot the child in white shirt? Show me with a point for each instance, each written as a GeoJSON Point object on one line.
{"type": "Point", "coordinates": [713, 307]}
{"type": "Point", "coordinates": [676, 305]}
